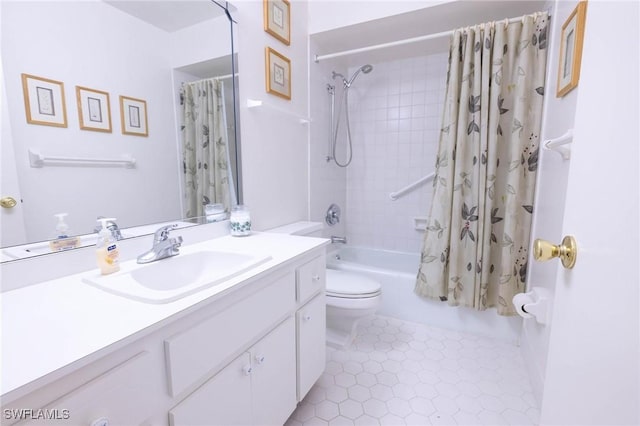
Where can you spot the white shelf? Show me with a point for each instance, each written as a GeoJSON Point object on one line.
{"type": "Point", "coordinates": [256, 103]}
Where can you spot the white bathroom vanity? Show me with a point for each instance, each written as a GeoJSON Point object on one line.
{"type": "Point", "coordinates": [244, 350]}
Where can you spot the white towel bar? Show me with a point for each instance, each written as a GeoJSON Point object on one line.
{"type": "Point", "coordinates": [36, 159]}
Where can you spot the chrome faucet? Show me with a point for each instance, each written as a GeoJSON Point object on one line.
{"type": "Point", "coordinates": [342, 240]}
{"type": "Point", "coordinates": [163, 246]}
{"type": "Point", "coordinates": [111, 226]}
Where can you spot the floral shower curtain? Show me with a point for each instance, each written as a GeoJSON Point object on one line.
{"type": "Point", "coordinates": [205, 152]}
{"type": "Point", "coordinates": [477, 238]}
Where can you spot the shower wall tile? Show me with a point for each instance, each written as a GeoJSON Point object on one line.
{"type": "Point", "coordinates": [395, 120]}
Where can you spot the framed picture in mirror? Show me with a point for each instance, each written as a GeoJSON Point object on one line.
{"type": "Point", "coordinates": [94, 109]}
{"type": "Point", "coordinates": [278, 73]}
{"type": "Point", "coordinates": [44, 101]}
{"type": "Point", "coordinates": [277, 19]}
{"type": "Point", "coordinates": [133, 116]}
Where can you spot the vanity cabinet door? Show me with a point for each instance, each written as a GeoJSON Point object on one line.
{"type": "Point", "coordinates": [273, 375]}
{"type": "Point", "coordinates": [258, 387]}
{"type": "Point", "coordinates": [224, 400]}
{"type": "Point", "coordinates": [311, 330]}
{"type": "Point", "coordinates": [124, 395]}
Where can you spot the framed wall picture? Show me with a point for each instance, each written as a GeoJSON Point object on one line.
{"type": "Point", "coordinates": [94, 109]}
{"type": "Point", "coordinates": [133, 116]}
{"type": "Point", "coordinates": [278, 73]}
{"type": "Point", "coordinates": [44, 101]}
{"type": "Point", "coordinates": [571, 50]}
{"type": "Point", "coordinates": [277, 19]}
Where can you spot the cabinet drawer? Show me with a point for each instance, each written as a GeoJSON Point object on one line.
{"type": "Point", "coordinates": [109, 395]}
{"type": "Point", "coordinates": [198, 351]}
{"type": "Point", "coordinates": [310, 278]}
{"type": "Point", "coordinates": [311, 330]}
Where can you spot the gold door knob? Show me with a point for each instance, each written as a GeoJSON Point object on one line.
{"type": "Point", "coordinates": [8, 202]}
{"type": "Point", "coordinates": [567, 251]}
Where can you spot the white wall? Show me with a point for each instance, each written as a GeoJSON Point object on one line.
{"type": "Point", "coordinates": [395, 116]}
{"type": "Point", "coordinates": [551, 190]}
{"type": "Point", "coordinates": [111, 52]}
{"type": "Point", "coordinates": [275, 146]}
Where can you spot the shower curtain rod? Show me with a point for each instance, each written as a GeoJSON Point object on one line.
{"type": "Point", "coordinates": [222, 77]}
{"type": "Point", "coordinates": [217, 77]}
{"type": "Point", "coordinates": [319, 58]}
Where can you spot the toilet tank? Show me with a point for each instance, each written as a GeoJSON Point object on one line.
{"type": "Point", "coordinates": [307, 229]}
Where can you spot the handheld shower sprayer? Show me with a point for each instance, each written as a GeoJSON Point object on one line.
{"type": "Point", "coordinates": [366, 69]}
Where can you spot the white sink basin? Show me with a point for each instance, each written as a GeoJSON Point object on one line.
{"type": "Point", "coordinates": [170, 279]}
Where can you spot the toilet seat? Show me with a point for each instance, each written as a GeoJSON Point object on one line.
{"type": "Point", "coordinates": [346, 285]}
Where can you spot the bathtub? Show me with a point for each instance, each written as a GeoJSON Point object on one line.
{"type": "Point", "coordinates": [396, 272]}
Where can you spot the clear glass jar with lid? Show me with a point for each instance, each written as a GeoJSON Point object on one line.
{"type": "Point", "coordinates": [240, 221]}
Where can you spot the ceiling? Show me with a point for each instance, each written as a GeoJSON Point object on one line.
{"type": "Point", "coordinates": [170, 15]}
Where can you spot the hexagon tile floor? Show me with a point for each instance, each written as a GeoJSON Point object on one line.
{"type": "Point", "coordinates": [402, 373]}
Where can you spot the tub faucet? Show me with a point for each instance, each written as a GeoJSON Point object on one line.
{"type": "Point", "coordinates": [163, 246]}
{"type": "Point", "coordinates": [111, 226]}
{"type": "Point", "coordinates": [342, 240]}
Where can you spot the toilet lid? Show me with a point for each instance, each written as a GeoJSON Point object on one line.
{"type": "Point", "coordinates": [345, 284]}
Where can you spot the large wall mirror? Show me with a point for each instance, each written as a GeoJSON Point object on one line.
{"type": "Point", "coordinates": [147, 130]}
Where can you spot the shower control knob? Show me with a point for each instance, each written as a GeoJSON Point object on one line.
{"type": "Point", "coordinates": [260, 359]}
{"type": "Point", "coordinates": [316, 277]}
{"type": "Point", "coordinates": [307, 317]}
{"type": "Point", "coordinates": [333, 215]}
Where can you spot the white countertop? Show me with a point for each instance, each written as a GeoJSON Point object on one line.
{"type": "Point", "coordinates": [50, 325]}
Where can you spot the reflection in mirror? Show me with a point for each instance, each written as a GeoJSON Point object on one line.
{"type": "Point", "coordinates": [136, 78]}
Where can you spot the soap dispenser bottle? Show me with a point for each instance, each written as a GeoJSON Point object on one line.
{"type": "Point", "coordinates": [61, 239]}
{"type": "Point", "coordinates": [107, 252]}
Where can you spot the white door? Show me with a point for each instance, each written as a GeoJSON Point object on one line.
{"type": "Point", "coordinates": [593, 371]}
{"type": "Point", "coordinates": [12, 230]}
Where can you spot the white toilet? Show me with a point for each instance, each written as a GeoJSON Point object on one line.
{"type": "Point", "coordinates": [350, 297]}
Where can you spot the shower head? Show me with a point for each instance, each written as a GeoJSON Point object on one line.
{"type": "Point", "coordinates": [365, 69]}
{"type": "Point", "coordinates": [336, 74]}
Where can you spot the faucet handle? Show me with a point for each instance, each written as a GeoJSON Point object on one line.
{"type": "Point", "coordinates": [163, 233]}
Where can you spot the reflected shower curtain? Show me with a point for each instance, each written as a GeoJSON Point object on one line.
{"type": "Point", "coordinates": [477, 237]}
{"type": "Point", "coordinates": [205, 152]}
